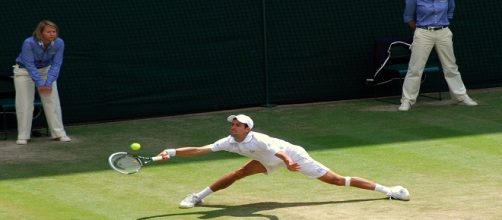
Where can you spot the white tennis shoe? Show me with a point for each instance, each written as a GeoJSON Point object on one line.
{"type": "Point", "coordinates": [65, 139]}
{"type": "Point", "coordinates": [22, 141]}
{"type": "Point", "coordinates": [468, 102]}
{"type": "Point", "coordinates": [399, 192]}
{"type": "Point", "coordinates": [405, 106]}
{"type": "Point", "coordinates": [190, 201]}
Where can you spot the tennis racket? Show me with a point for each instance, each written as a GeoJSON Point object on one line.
{"type": "Point", "coordinates": [127, 163]}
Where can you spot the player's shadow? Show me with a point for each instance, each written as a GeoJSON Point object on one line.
{"type": "Point", "coordinates": [252, 209]}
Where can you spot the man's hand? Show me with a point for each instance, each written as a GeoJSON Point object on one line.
{"type": "Point", "coordinates": [293, 166]}
{"type": "Point", "coordinates": [412, 25]}
{"type": "Point", "coordinates": [164, 155]}
{"type": "Point", "coordinates": [44, 90]}
{"type": "Point", "coordinates": [290, 164]}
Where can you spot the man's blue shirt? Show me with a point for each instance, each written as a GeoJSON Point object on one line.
{"type": "Point", "coordinates": [429, 13]}
{"type": "Point", "coordinates": [34, 55]}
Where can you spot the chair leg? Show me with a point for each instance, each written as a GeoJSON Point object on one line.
{"type": "Point", "coordinates": [4, 126]}
{"type": "Point", "coordinates": [440, 93]}
{"type": "Point", "coordinates": [45, 123]}
{"type": "Point", "coordinates": [5, 130]}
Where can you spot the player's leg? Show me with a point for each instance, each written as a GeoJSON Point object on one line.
{"type": "Point", "coordinates": [336, 179]}
{"type": "Point", "coordinates": [396, 192]}
{"type": "Point", "coordinates": [251, 168]}
{"type": "Point", "coordinates": [314, 169]}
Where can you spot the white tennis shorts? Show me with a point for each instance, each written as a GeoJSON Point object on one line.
{"type": "Point", "coordinates": [308, 166]}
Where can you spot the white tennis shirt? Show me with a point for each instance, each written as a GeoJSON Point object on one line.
{"type": "Point", "coordinates": [262, 148]}
{"type": "Point", "coordinates": [258, 146]}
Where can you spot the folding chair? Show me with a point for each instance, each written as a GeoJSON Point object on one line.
{"type": "Point", "coordinates": [393, 65]}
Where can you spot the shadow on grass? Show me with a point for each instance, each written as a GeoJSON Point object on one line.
{"type": "Point", "coordinates": [252, 209]}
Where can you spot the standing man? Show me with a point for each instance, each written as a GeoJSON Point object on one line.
{"type": "Point", "coordinates": [37, 67]}
{"type": "Point", "coordinates": [430, 20]}
{"type": "Point", "coordinates": [267, 154]}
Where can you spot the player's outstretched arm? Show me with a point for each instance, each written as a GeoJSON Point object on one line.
{"type": "Point", "coordinates": [187, 151]}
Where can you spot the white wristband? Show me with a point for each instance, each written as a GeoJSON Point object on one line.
{"type": "Point", "coordinates": [170, 152]}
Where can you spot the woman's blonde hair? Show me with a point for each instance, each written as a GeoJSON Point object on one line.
{"type": "Point", "coordinates": [40, 28]}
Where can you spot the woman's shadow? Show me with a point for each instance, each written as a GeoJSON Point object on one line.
{"type": "Point", "coordinates": [252, 209]}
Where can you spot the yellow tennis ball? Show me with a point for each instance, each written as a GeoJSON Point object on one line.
{"type": "Point", "coordinates": [135, 146]}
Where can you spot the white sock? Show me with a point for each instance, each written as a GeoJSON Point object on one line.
{"type": "Point", "coordinates": [382, 189]}
{"type": "Point", "coordinates": [205, 192]}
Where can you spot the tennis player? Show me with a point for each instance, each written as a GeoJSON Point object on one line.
{"type": "Point", "coordinates": [267, 154]}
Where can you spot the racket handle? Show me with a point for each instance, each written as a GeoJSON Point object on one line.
{"type": "Point", "coordinates": [157, 158]}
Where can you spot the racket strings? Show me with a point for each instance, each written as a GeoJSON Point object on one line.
{"type": "Point", "coordinates": [125, 163]}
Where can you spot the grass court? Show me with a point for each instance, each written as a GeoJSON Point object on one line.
{"type": "Point", "coordinates": [448, 156]}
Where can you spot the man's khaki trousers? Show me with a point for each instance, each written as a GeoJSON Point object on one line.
{"type": "Point", "coordinates": [25, 97]}
{"type": "Point", "coordinates": [423, 42]}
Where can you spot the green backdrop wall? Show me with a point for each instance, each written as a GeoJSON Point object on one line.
{"type": "Point", "coordinates": [131, 58]}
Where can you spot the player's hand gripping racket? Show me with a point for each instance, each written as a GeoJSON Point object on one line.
{"type": "Point", "coordinates": [127, 163]}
